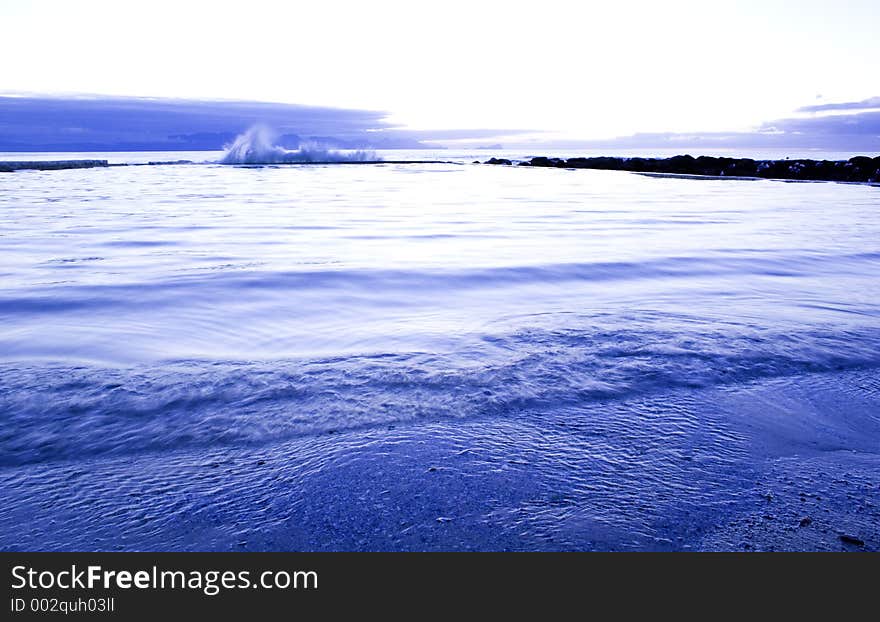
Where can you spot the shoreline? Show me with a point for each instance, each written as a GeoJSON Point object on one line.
{"type": "Point", "coordinates": [730, 474]}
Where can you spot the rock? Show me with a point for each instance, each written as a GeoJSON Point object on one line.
{"type": "Point", "coordinates": [683, 163]}
{"type": "Point", "coordinates": [50, 165]}
{"type": "Point", "coordinates": [862, 162]}
{"type": "Point", "coordinates": [806, 521]}
{"type": "Point", "coordinates": [546, 162]}
{"type": "Point", "coordinates": [743, 167]}
{"type": "Point", "coordinates": [856, 169]}
{"type": "Point", "coordinates": [848, 539]}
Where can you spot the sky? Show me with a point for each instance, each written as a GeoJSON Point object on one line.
{"type": "Point", "coordinates": [575, 70]}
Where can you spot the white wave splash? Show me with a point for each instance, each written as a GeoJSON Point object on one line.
{"type": "Point", "coordinates": [257, 146]}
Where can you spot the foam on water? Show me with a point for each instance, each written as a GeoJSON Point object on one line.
{"type": "Point", "coordinates": [57, 412]}
{"type": "Point", "coordinates": [256, 146]}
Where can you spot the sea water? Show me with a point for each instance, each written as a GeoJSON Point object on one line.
{"type": "Point", "coordinates": [212, 355]}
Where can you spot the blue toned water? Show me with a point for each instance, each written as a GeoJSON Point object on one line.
{"type": "Point", "coordinates": [587, 359]}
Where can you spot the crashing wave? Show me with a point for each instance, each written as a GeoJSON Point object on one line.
{"type": "Point", "coordinates": [256, 146]}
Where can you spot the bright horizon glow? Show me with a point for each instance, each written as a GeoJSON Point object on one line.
{"type": "Point", "coordinates": [572, 69]}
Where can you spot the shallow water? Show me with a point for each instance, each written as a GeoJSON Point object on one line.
{"type": "Point", "coordinates": [149, 311]}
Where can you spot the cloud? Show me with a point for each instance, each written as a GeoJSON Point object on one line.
{"type": "Point", "coordinates": [855, 128]}
{"type": "Point", "coordinates": [129, 123]}
{"type": "Point", "coordinates": [93, 123]}
{"type": "Point", "coordinates": [844, 126]}
{"type": "Point", "coordinates": [866, 104]}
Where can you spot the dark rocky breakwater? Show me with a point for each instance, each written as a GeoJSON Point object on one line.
{"type": "Point", "coordinates": [857, 169]}
{"type": "Point", "coordinates": [49, 165]}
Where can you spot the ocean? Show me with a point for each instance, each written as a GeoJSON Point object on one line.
{"type": "Point", "coordinates": [435, 357]}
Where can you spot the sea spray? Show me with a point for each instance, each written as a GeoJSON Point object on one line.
{"type": "Point", "coordinates": [257, 146]}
